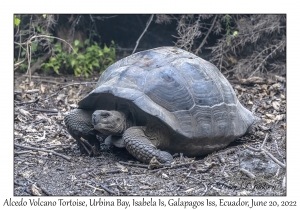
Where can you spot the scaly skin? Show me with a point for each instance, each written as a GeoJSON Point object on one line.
{"type": "Point", "coordinates": [139, 141]}
{"type": "Point", "coordinates": [139, 145]}
{"type": "Point", "coordinates": [79, 124]}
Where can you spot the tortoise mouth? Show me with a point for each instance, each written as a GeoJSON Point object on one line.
{"type": "Point", "coordinates": [104, 129]}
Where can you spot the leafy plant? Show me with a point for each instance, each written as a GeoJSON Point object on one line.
{"type": "Point", "coordinates": [84, 60]}
{"type": "Point", "coordinates": [16, 21]}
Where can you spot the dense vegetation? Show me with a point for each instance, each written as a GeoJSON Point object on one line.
{"type": "Point", "coordinates": [239, 45]}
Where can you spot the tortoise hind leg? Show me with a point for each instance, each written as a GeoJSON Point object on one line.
{"type": "Point", "coordinates": [139, 145]}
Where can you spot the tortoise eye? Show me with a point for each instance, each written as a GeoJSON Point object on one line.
{"type": "Point", "coordinates": [105, 115]}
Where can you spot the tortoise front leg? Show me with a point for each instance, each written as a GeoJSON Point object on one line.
{"type": "Point", "coordinates": [79, 125]}
{"type": "Point", "coordinates": [139, 145]}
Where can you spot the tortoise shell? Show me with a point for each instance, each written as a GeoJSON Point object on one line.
{"type": "Point", "coordinates": [186, 93]}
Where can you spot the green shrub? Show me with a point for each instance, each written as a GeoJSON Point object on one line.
{"type": "Point", "coordinates": [84, 60]}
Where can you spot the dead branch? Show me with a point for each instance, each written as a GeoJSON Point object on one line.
{"type": "Point", "coordinates": [44, 190]}
{"type": "Point", "coordinates": [43, 150]}
{"type": "Point", "coordinates": [95, 188]}
{"type": "Point", "coordinates": [28, 102]}
{"type": "Point", "coordinates": [252, 148]}
{"type": "Point", "coordinates": [28, 52]}
{"type": "Point", "coordinates": [147, 25]}
{"type": "Point", "coordinates": [132, 164]}
{"type": "Point", "coordinates": [247, 173]}
{"type": "Point", "coordinates": [266, 58]}
{"type": "Point", "coordinates": [41, 60]}
{"type": "Point", "coordinates": [45, 110]}
{"type": "Point", "coordinates": [261, 149]}
{"type": "Point", "coordinates": [276, 145]}
{"type": "Point", "coordinates": [274, 159]}
{"type": "Point", "coordinates": [176, 166]}
{"type": "Point", "coordinates": [263, 144]}
{"type": "Point", "coordinates": [204, 40]}
{"type": "Point", "coordinates": [82, 172]}
{"type": "Point", "coordinates": [104, 187]}
{"type": "Point", "coordinates": [27, 91]}
{"type": "Point", "coordinates": [29, 41]}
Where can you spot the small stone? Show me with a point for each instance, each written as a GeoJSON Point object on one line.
{"type": "Point", "coordinates": [84, 176]}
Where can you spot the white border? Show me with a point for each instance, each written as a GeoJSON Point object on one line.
{"type": "Point", "coordinates": [8, 8]}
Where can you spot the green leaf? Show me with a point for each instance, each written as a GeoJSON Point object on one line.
{"type": "Point", "coordinates": [53, 59]}
{"type": "Point", "coordinates": [80, 56]}
{"type": "Point", "coordinates": [77, 71]}
{"type": "Point", "coordinates": [55, 68]}
{"type": "Point", "coordinates": [44, 15]}
{"type": "Point", "coordinates": [96, 63]}
{"type": "Point", "coordinates": [87, 42]}
{"type": "Point", "coordinates": [34, 46]}
{"type": "Point", "coordinates": [76, 43]}
{"type": "Point", "coordinates": [75, 49]}
{"type": "Point", "coordinates": [17, 21]}
{"type": "Point", "coordinates": [73, 62]}
{"type": "Point", "coordinates": [57, 47]}
{"type": "Point", "coordinates": [106, 49]}
{"type": "Point", "coordinates": [235, 33]}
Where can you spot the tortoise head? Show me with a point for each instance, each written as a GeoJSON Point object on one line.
{"type": "Point", "coordinates": [109, 122]}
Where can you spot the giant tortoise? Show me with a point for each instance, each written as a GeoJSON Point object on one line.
{"type": "Point", "coordinates": [159, 102]}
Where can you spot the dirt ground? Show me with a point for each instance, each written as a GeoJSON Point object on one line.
{"type": "Point", "coordinates": [47, 160]}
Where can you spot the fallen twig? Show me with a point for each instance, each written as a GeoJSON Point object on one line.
{"type": "Point", "coordinates": [175, 166]}
{"type": "Point", "coordinates": [261, 149]}
{"type": "Point", "coordinates": [263, 144]}
{"type": "Point", "coordinates": [252, 148]}
{"type": "Point", "coordinates": [44, 190]}
{"type": "Point", "coordinates": [184, 164]}
{"type": "Point", "coordinates": [205, 191]}
{"type": "Point", "coordinates": [283, 183]}
{"type": "Point", "coordinates": [276, 145]}
{"type": "Point", "coordinates": [45, 110]}
{"type": "Point", "coordinates": [82, 172]}
{"type": "Point", "coordinates": [274, 159]}
{"type": "Point", "coordinates": [28, 102]}
{"type": "Point", "coordinates": [26, 91]}
{"type": "Point", "coordinates": [133, 164]}
{"type": "Point", "coordinates": [95, 188]}
{"type": "Point", "coordinates": [44, 150]}
{"type": "Point", "coordinates": [203, 170]}
{"type": "Point", "coordinates": [105, 188]}
{"type": "Point", "coordinates": [23, 152]}
{"type": "Point", "coordinates": [247, 173]}
{"type": "Point", "coordinates": [226, 152]}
